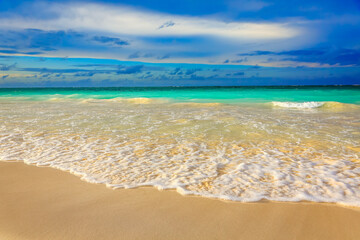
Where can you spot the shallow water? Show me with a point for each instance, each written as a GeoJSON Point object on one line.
{"type": "Point", "coordinates": [281, 147]}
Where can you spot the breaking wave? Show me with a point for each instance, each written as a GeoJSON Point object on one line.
{"type": "Point", "coordinates": [312, 105]}
{"type": "Point", "coordinates": [228, 152]}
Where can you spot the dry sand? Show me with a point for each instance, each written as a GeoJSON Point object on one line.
{"type": "Point", "coordinates": [44, 203]}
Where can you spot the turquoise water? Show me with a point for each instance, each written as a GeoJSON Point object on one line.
{"type": "Point", "coordinates": [343, 94]}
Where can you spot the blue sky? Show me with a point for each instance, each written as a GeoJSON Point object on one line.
{"type": "Point", "coordinates": [179, 43]}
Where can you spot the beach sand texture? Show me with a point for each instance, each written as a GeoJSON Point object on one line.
{"type": "Point", "coordinates": [44, 203]}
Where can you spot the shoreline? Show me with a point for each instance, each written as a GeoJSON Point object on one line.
{"type": "Point", "coordinates": [45, 203]}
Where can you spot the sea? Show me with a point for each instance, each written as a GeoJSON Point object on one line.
{"type": "Point", "coordinates": [246, 144]}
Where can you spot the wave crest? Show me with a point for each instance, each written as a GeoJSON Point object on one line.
{"type": "Point", "coordinates": [299, 105]}
{"type": "Point", "coordinates": [334, 106]}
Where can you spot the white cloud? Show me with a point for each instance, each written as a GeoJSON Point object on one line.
{"type": "Point", "coordinates": [129, 21]}
{"type": "Point", "coordinates": [188, 39]}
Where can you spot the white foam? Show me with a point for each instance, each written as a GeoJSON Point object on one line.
{"type": "Point", "coordinates": [299, 105]}
{"type": "Point", "coordinates": [227, 152]}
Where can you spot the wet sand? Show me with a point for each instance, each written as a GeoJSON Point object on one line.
{"type": "Point", "coordinates": [44, 203]}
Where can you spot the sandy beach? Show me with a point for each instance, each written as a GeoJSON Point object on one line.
{"type": "Point", "coordinates": [44, 203]}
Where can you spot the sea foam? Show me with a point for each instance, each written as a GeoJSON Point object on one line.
{"type": "Point", "coordinates": [226, 152]}
{"type": "Point", "coordinates": [300, 105]}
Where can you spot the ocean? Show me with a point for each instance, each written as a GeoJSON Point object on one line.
{"type": "Point", "coordinates": [233, 143]}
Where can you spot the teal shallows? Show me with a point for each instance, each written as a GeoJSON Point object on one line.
{"type": "Point", "coordinates": [344, 94]}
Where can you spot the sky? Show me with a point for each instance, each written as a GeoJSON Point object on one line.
{"type": "Point", "coordinates": [179, 43]}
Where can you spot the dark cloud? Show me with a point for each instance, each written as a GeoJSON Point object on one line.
{"type": "Point", "coordinates": [97, 65]}
{"type": "Point", "coordinates": [32, 53]}
{"type": "Point", "coordinates": [254, 67]}
{"type": "Point", "coordinates": [239, 74]}
{"type": "Point", "coordinates": [147, 76]}
{"type": "Point", "coordinates": [197, 77]}
{"type": "Point", "coordinates": [47, 75]}
{"type": "Point", "coordinates": [4, 67]}
{"type": "Point", "coordinates": [52, 70]}
{"type": "Point", "coordinates": [134, 55]}
{"type": "Point", "coordinates": [46, 40]}
{"type": "Point", "coordinates": [192, 71]}
{"type": "Point", "coordinates": [167, 24]}
{"type": "Point", "coordinates": [111, 40]}
{"type": "Point", "coordinates": [346, 57]}
{"type": "Point", "coordinates": [78, 72]}
{"type": "Point", "coordinates": [176, 71]}
{"type": "Point", "coordinates": [213, 76]}
{"type": "Point", "coordinates": [9, 51]}
{"type": "Point", "coordinates": [85, 74]}
{"type": "Point", "coordinates": [226, 61]}
{"type": "Point", "coordinates": [304, 52]}
{"type": "Point", "coordinates": [317, 55]}
{"type": "Point", "coordinates": [239, 60]}
{"type": "Point", "coordinates": [129, 69]}
{"type": "Point", "coordinates": [35, 41]}
{"type": "Point", "coordinates": [330, 56]}
{"type": "Point", "coordinates": [256, 53]}
{"type": "Point", "coordinates": [164, 57]}
{"type": "Point", "coordinates": [115, 68]}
